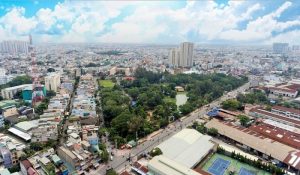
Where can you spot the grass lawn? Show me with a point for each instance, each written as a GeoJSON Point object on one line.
{"type": "Point", "coordinates": [106, 83]}
{"type": "Point", "coordinates": [234, 164]}
{"type": "Point", "coordinates": [169, 99]}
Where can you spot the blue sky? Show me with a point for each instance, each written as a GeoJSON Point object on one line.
{"type": "Point", "coordinates": [162, 22]}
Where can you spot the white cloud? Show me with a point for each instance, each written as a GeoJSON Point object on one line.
{"type": "Point", "coordinates": [14, 23]}
{"type": "Point", "coordinates": [261, 29]}
{"type": "Point", "coordinates": [78, 21]}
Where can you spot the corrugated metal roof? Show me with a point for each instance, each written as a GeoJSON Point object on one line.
{"type": "Point", "coordinates": [187, 147]}
{"type": "Point", "coordinates": [165, 166]}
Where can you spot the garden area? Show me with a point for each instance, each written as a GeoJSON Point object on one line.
{"type": "Point", "coordinates": [106, 83]}
{"type": "Point", "coordinates": [136, 108]}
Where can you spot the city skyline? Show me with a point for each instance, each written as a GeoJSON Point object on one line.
{"type": "Point", "coordinates": [203, 22]}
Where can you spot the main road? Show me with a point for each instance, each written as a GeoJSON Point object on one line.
{"type": "Point", "coordinates": [119, 163]}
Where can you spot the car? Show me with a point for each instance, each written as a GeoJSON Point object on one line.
{"type": "Point", "coordinates": [111, 158]}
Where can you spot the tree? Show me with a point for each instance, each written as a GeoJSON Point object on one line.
{"type": "Point", "coordinates": [51, 93]}
{"type": "Point", "coordinates": [231, 104]}
{"type": "Point", "coordinates": [111, 172]}
{"type": "Point", "coordinates": [1, 98]}
{"type": "Point", "coordinates": [243, 120]}
{"type": "Point", "coordinates": [155, 152]}
{"type": "Point", "coordinates": [186, 108]}
{"type": "Point", "coordinates": [212, 131]}
{"type": "Point", "coordinates": [104, 156]}
{"type": "Point", "coordinates": [50, 69]}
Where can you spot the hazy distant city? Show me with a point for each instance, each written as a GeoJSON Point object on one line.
{"type": "Point", "coordinates": [149, 88]}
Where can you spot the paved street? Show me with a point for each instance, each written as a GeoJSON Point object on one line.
{"type": "Point", "coordinates": [119, 162]}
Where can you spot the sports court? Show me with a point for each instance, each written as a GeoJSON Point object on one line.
{"type": "Point", "coordinates": [244, 171]}
{"type": "Point", "coordinates": [219, 166]}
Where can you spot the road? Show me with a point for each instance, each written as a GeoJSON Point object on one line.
{"type": "Point", "coordinates": [120, 162]}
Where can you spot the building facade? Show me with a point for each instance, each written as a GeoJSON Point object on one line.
{"type": "Point", "coordinates": [52, 82]}
{"type": "Point", "coordinates": [182, 56]}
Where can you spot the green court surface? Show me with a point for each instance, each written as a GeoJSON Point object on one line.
{"type": "Point", "coordinates": [234, 165]}
{"type": "Point", "coordinates": [106, 83]}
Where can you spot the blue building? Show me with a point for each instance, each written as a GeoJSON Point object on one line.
{"type": "Point", "coordinates": [7, 158]}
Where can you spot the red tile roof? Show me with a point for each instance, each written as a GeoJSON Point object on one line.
{"type": "Point", "coordinates": [278, 134]}
{"type": "Point", "coordinates": [26, 164]}
{"type": "Point", "coordinates": [283, 89]}
{"type": "Point", "coordinates": [293, 159]}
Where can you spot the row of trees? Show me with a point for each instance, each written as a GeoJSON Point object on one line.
{"type": "Point", "coordinates": [203, 130]}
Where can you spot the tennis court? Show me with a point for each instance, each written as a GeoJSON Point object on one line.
{"type": "Point", "coordinates": [233, 166]}
{"type": "Point", "coordinates": [219, 166]}
{"type": "Point", "coordinates": [244, 171]}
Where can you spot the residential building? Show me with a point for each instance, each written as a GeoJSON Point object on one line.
{"type": "Point", "coordinates": [14, 47]}
{"type": "Point", "coordinates": [186, 54]}
{"type": "Point", "coordinates": [40, 130]}
{"type": "Point", "coordinates": [280, 48]}
{"type": "Point", "coordinates": [1, 121]}
{"type": "Point", "coordinates": [6, 157]}
{"type": "Point", "coordinates": [27, 93]}
{"type": "Point", "coordinates": [182, 56]}
{"type": "Point", "coordinates": [174, 57]}
{"type": "Point", "coordinates": [284, 92]}
{"type": "Point", "coordinates": [52, 82]}
{"type": "Point", "coordinates": [68, 156]}
{"type": "Point", "coordinates": [9, 93]}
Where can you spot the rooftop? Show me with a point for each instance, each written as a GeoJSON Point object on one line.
{"type": "Point", "coordinates": [191, 147]}
{"type": "Point", "coordinates": [252, 139]}
{"type": "Point", "coordinates": [166, 166]}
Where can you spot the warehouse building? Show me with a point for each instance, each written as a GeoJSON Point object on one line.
{"type": "Point", "coordinates": [191, 148]}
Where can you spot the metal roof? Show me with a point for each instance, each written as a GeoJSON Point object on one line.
{"type": "Point", "coordinates": [19, 133]}
{"type": "Point", "coordinates": [187, 147]}
{"type": "Point", "coordinates": [165, 166]}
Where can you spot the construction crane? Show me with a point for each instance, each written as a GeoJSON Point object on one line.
{"type": "Point", "coordinates": [37, 88]}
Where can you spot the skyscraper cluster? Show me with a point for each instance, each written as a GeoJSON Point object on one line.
{"type": "Point", "coordinates": [280, 48]}
{"type": "Point", "coordinates": [14, 47]}
{"type": "Point", "coordinates": [182, 56]}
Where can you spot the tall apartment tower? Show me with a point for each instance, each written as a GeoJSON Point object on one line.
{"type": "Point", "coordinates": [174, 57]}
{"type": "Point", "coordinates": [52, 82]}
{"type": "Point", "coordinates": [186, 54]}
{"type": "Point", "coordinates": [182, 56]}
{"type": "Point", "coordinates": [280, 48]}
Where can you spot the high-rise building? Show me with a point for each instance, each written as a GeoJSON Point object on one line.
{"type": "Point", "coordinates": [186, 54]}
{"type": "Point", "coordinates": [14, 47]}
{"type": "Point", "coordinates": [182, 56]}
{"type": "Point", "coordinates": [174, 57]}
{"type": "Point", "coordinates": [52, 82]}
{"type": "Point", "coordinates": [280, 48]}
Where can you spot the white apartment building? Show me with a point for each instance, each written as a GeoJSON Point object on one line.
{"type": "Point", "coordinates": [8, 93]}
{"type": "Point", "coordinates": [14, 47]}
{"type": "Point", "coordinates": [182, 56]}
{"type": "Point", "coordinates": [186, 54]}
{"type": "Point", "coordinates": [174, 57]}
{"type": "Point", "coordinates": [52, 82]}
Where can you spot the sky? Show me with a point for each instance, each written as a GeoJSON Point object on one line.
{"type": "Point", "coordinates": [259, 22]}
